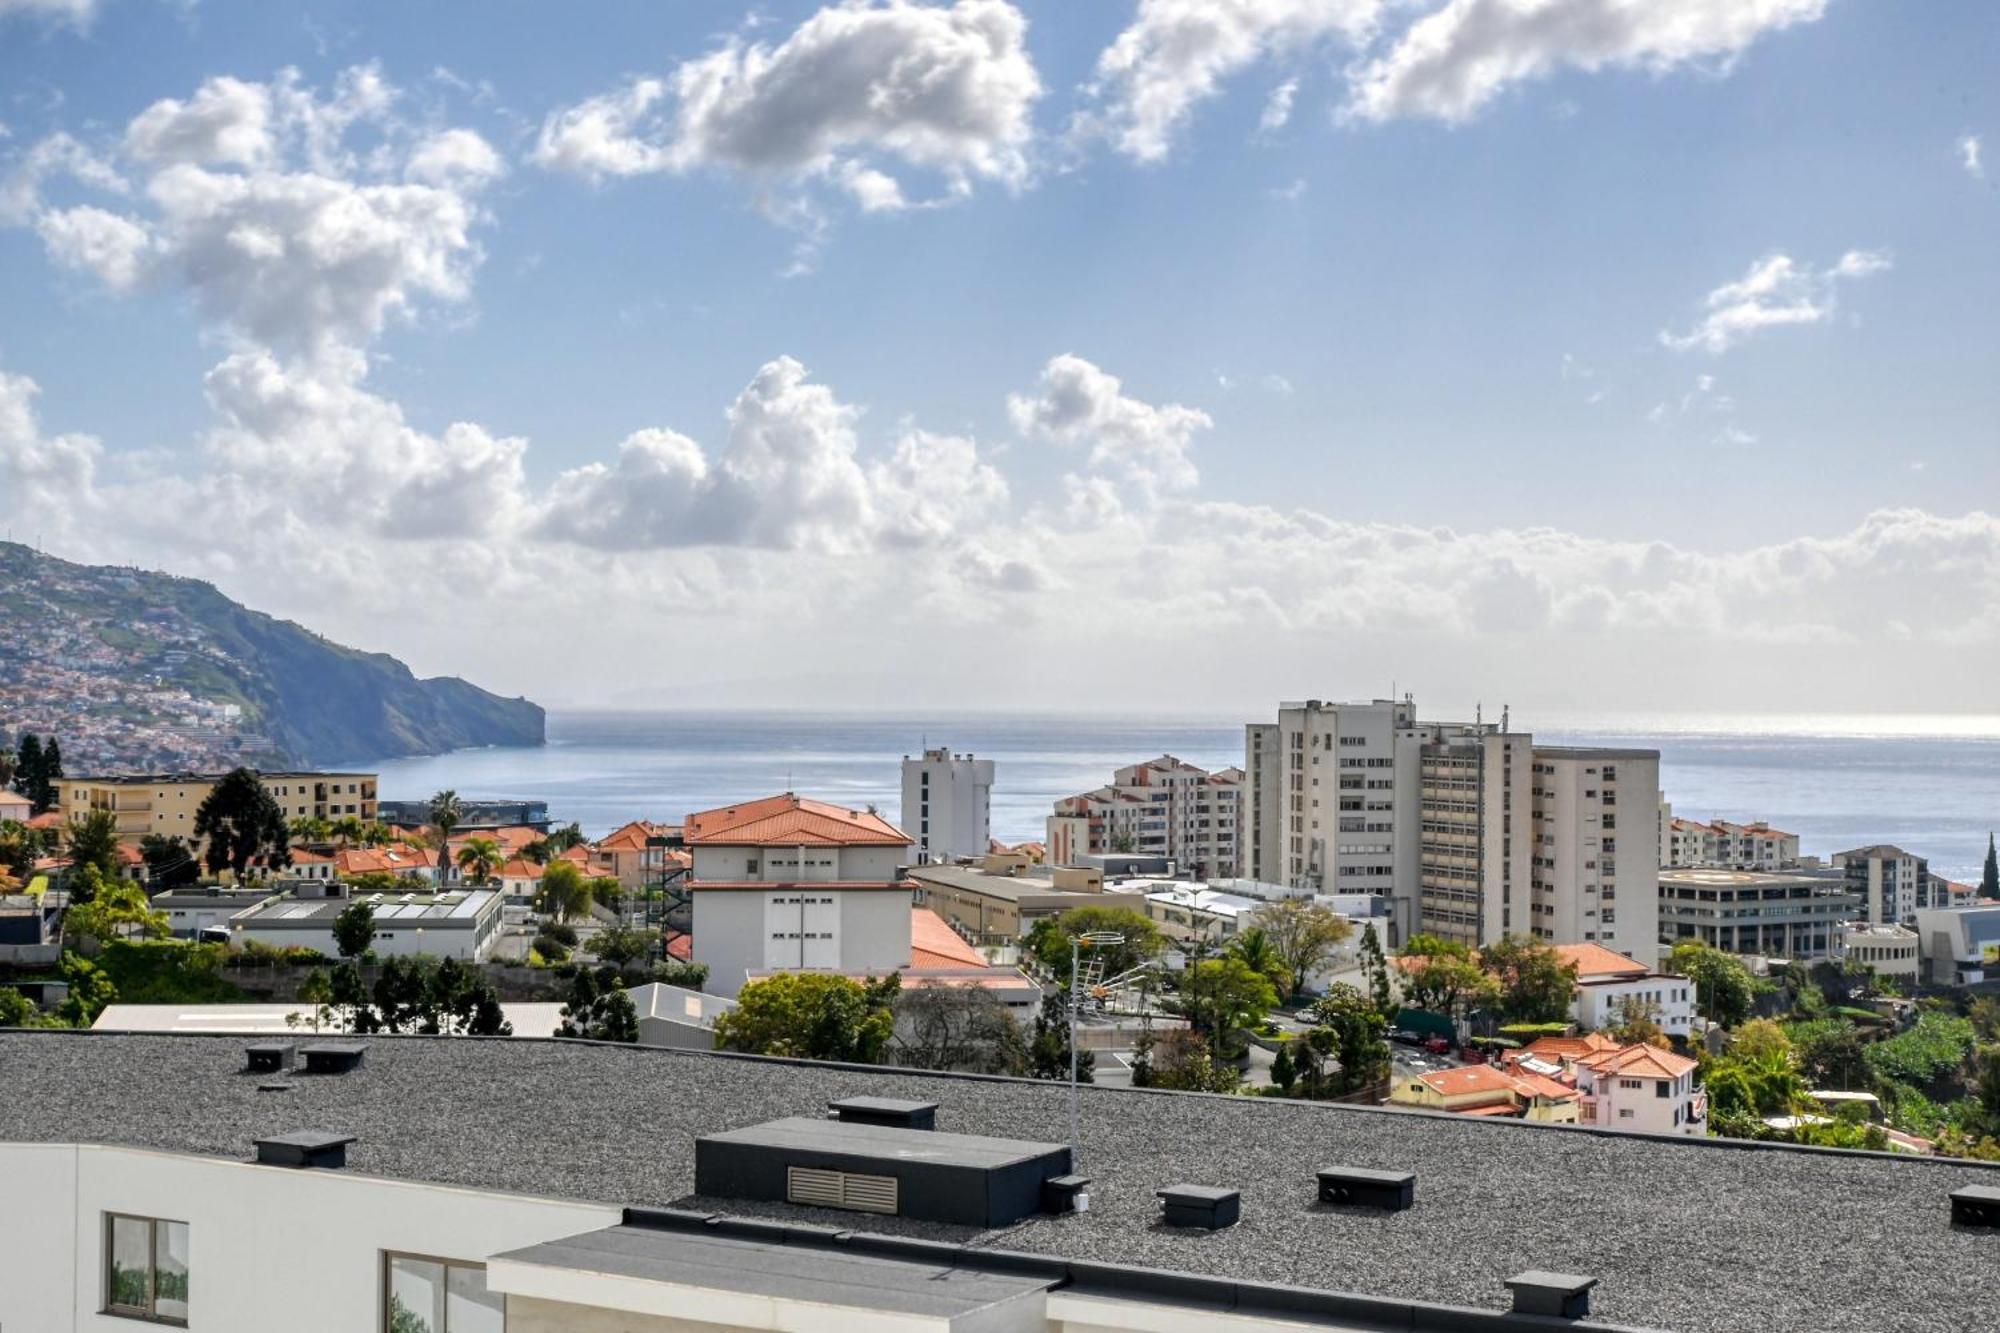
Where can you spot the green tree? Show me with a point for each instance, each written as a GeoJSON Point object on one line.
{"type": "Point", "coordinates": [606, 891]}
{"type": "Point", "coordinates": [1830, 1053]}
{"type": "Point", "coordinates": [1352, 1030]}
{"type": "Point", "coordinates": [1219, 995]}
{"type": "Point", "coordinates": [1048, 1049]}
{"type": "Point", "coordinates": [1303, 935]}
{"type": "Point", "coordinates": [16, 1009]}
{"type": "Point", "coordinates": [317, 991]}
{"type": "Point", "coordinates": [1723, 986]}
{"type": "Point", "coordinates": [599, 1009]}
{"type": "Point", "coordinates": [36, 767]}
{"type": "Point", "coordinates": [346, 830]}
{"type": "Point", "coordinates": [564, 893]}
{"type": "Point", "coordinates": [1636, 1021]}
{"type": "Point", "coordinates": [92, 839]}
{"type": "Point", "coordinates": [310, 829]}
{"type": "Point", "coordinates": [241, 821]}
{"type": "Point", "coordinates": [447, 813]}
{"type": "Point", "coordinates": [19, 846]}
{"type": "Point", "coordinates": [354, 929]}
{"type": "Point", "coordinates": [479, 858]}
{"type": "Point", "coordinates": [89, 991]}
{"type": "Point", "coordinates": [1048, 940]}
{"type": "Point", "coordinates": [1284, 1072]}
{"type": "Point", "coordinates": [1536, 986]}
{"type": "Point", "coordinates": [963, 1028]}
{"type": "Point", "coordinates": [1989, 874]}
{"type": "Point", "coordinates": [621, 946]}
{"type": "Point", "coordinates": [1443, 977]}
{"type": "Point", "coordinates": [1252, 945]}
{"type": "Point", "coordinates": [119, 910]}
{"type": "Point", "coordinates": [170, 863]}
{"type": "Point", "coordinates": [1761, 1041]}
{"type": "Point", "coordinates": [814, 1015]}
{"type": "Point", "coordinates": [83, 883]}
{"type": "Point", "coordinates": [1183, 1062]}
{"type": "Point", "coordinates": [1375, 968]}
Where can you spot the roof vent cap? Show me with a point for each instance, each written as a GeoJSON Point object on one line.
{"type": "Point", "coordinates": [1204, 1206]}
{"type": "Point", "coordinates": [1975, 1206]}
{"type": "Point", "coordinates": [305, 1147]}
{"type": "Point", "coordinates": [332, 1057]}
{"type": "Point", "coordinates": [1563, 1295]}
{"type": "Point", "coordinates": [885, 1111]}
{"type": "Point", "coordinates": [267, 1057]}
{"type": "Point", "coordinates": [1393, 1190]}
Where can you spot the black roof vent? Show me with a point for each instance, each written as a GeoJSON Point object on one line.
{"type": "Point", "coordinates": [274, 1087]}
{"type": "Point", "coordinates": [332, 1057]}
{"type": "Point", "coordinates": [305, 1147]}
{"type": "Point", "coordinates": [1199, 1206]}
{"type": "Point", "coordinates": [1393, 1190]}
{"type": "Point", "coordinates": [1975, 1206]}
{"type": "Point", "coordinates": [268, 1057]}
{"type": "Point", "coordinates": [1563, 1295]}
{"type": "Point", "coordinates": [963, 1179]}
{"type": "Point", "coordinates": [885, 1111]}
{"type": "Point", "coordinates": [1066, 1194]}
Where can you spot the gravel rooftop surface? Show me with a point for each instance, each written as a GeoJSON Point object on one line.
{"type": "Point", "coordinates": [1683, 1236]}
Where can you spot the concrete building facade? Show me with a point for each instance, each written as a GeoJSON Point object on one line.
{"type": "Point", "coordinates": [1163, 807]}
{"type": "Point", "coordinates": [1890, 883]}
{"type": "Point", "coordinates": [165, 803]}
{"type": "Point", "coordinates": [1784, 914]}
{"type": "Point", "coordinates": [948, 804]}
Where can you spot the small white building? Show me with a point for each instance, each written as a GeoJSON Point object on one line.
{"type": "Point", "coordinates": [462, 924]}
{"type": "Point", "coordinates": [789, 884]}
{"type": "Point", "coordinates": [1890, 950]}
{"type": "Point", "coordinates": [1608, 982]}
{"type": "Point", "coordinates": [674, 1017]}
{"type": "Point", "coordinates": [948, 805]}
{"type": "Point", "coordinates": [1959, 946]}
{"type": "Point", "coordinates": [1637, 1088]}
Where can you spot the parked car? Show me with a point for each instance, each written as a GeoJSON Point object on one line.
{"type": "Point", "coordinates": [1406, 1037]}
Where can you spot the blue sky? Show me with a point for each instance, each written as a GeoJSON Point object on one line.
{"type": "Point", "coordinates": [1448, 315]}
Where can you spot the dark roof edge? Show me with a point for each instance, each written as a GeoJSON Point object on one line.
{"type": "Point", "coordinates": [1275, 1104]}
{"type": "Point", "coordinates": [1153, 1285]}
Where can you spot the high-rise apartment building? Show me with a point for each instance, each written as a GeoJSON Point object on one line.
{"type": "Point", "coordinates": [1724, 845]}
{"type": "Point", "coordinates": [1163, 807]}
{"type": "Point", "coordinates": [948, 804]}
{"type": "Point", "coordinates": [1470, 829]}
{"type": "Point", "coordinates": [1890, 883]}
{"type": "Point", "coordinates": [165, 803]}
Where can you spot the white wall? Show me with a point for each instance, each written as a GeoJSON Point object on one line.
{"type": "Point", "coordinates": [269, 1247]}
{"type": "Point", "coordinates": [950, 815]}
{"type": "Point", "coordinates": [1596, 1005]}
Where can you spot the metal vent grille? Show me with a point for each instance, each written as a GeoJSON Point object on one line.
{"type": "Point", "coordinates": [840, 1189]}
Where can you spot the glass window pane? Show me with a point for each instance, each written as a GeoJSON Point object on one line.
{"type": "Point", "coordinates": [170, 1269]}
{"type": "Point", "coordinates": [131, 1263]}
{"type": "Point", "coordinates": [416, 1296]}
{"type": "Point", "coordinates": [470, 1306]}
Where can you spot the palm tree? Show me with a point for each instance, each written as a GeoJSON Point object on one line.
{"type": "Point", "coordinates": [1253, 945]}
{"type": "Point", "coordinates": [447, 813]}
{"type": "Point", "coordinates": [481, 857]}
{"type": "Point", "coordinates": [376, 834]}
{"type": "Point", "coordinates": [310, 829]}
{"type": "Point", "coordinates": [347, 828]}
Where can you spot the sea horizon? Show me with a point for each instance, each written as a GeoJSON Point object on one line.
{"type": "Point", "coordinates": [1929, 782]}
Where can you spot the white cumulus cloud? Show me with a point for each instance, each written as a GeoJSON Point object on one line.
{"type": "Point", "coordinates": [1968, 156]}
{"type": "Point", "coordinates": [1777, 292]}
{"type": "Point", "coordinates": [1176, 54]}
{"type": "Point", "coordinates": [95, 241]}
{"type": "Point", "coordinates": [857, 93]}
{"type": "Point", "coordinates": [1449, 64]}
{"type": "Point", "coordinates": [1077, 403]}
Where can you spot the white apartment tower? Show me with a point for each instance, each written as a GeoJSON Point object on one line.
{"type": "Point", "coordinates": [1470, 829]}
{"type": "Point", "coordinates": [948, 804]}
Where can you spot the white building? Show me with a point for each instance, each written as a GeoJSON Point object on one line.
{"type": "Point", "coordinates": [1608, 983]}
{"type": "Point", "coordinates": [1891, 883]}
{"type": "Point", "coordinates": [1165, 807]}
{"type": "Point", "coordinates": [462, 924]}
{"type": "Point", "coordinates": [1638, 1089]}
{"type": "Point", "coordinates": [1890, 950]}
{"type": "Point", "coordinates": [1959, 946]}
{"type": "Point", "coordinates": [1472, 830]}
{"type": "Point", "coordinates": [789, 884]}
{"type": "Point", "coordinates": [948, 804]}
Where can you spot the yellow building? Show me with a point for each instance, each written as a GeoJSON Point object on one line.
{"type": "Point", "coordinates": [1487, 1090]}
{"type": "Point", "coordinates": [165, 803]}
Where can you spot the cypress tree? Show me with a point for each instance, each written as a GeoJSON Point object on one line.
{"type": "Point", "coordinates": [1989, 881]}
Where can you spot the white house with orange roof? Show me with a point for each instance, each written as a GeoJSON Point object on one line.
{"type": "Point", "coordinates": [1490, 1090]}
{"type": "Point", "coordinates": [789, 884]}
{"type": "Point", "coordinates": [1607, 980]}
{"type": "Point", "coordinates": [1637, 1088]}
{"type": "Point", "coordinates": [639, 852]}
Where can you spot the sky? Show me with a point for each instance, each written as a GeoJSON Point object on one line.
{"type": "Point", "coordinates": [1163, 354]}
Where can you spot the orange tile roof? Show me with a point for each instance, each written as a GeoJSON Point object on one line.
{"type": "Point", "coordinates": [632, 837]}
{"type": "Point", "coordinates": [791, 821]}
{"type": "Point", "coordinates": [1541, 1085]}
{"type": "Point", "coordinates": [1640, 1061]}
{"type": "Point", "coordinates": [1559, 1049]}
{"type": "Point", "coordinates": [1467, 1080]}
{"type": "Point", "coordinates": [681, 947]}
{"type": "Point", "coordinates": [1594, 960]}
{"type": "Point", "coordinates": [933, 943]}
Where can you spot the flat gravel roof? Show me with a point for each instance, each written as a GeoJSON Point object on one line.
{"type": "Point", "coordinates": [1686, 1235]}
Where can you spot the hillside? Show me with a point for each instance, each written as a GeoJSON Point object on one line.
{"type": "Point", "coordinates": [133, 669]}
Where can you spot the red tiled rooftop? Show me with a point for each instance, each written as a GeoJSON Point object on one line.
{"type": "Point", "coordinates": [791, 821]}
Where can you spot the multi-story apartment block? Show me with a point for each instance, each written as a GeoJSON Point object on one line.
{"type": "Point", "coordinates": [1890, 883]}
{"type": "Point", "coordinates": [948, 804]}
{"type": "Point", "coordinates": [1328, 785]}
{"type": "Point", "coordinates": [1470, 829]}
{"type": "Point", "coordinates": [1721, 844]}
{"type": "Point", "coordinates": [165, 803]}
{"type": "Point", "coordinates": [1776, 914]}
{"type": "Point", "coordinates": [1163, 807]}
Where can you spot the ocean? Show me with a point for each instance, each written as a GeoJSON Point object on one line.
{"type": "Point", "coordinates": [1928, 784]}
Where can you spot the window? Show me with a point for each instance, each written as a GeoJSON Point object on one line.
{"type": "Point", "coordinates": [146, 1268]}
{"type": "Point", "coordinates": [438, 1296]}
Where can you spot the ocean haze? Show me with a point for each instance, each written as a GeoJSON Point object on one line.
{"type": "Point", "coordinates": [1928, 783]}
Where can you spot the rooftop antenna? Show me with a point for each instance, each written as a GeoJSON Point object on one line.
{"type": "Point", "coordinates": [1503, 719]}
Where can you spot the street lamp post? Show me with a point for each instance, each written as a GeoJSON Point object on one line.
{"type": "Point", "coordinates": [1076, 942]}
